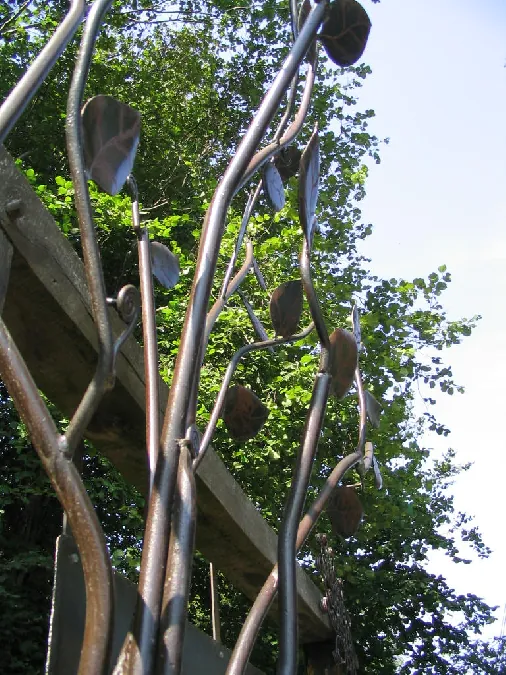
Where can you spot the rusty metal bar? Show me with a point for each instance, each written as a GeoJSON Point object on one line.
{"type": "Point", "coordinates": [179, 566]}
{"type": "Point", "coordinates": [174, 427]}
{"type": "Point", "coordinates": [287, 548]}
{"type": "Point", "coordinates": [151, 373]}
{"type": "Point", "coordinates": [263, 601]}
{"type": "Point", "coordinates": [16, 102]}
{"type": "Point", "coordinates": [103, 378]}
{"type": "Point", "coordinates": [75, 501]}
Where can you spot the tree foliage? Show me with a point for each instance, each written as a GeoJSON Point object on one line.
{"type": "Point", "coordinates": [196, 71]}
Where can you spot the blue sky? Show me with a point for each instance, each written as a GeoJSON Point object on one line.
{"type": "Point", "coordinates": [439, 197]}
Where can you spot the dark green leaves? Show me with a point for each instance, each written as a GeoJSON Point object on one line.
{"type": "Point", "coordinates": [111, 134]}
{"type": "Point", "coordinates": [165, 265]}
{"type": "Point", "coordinates": [345, 31]}
{"type": "Point", "coordinates": [273, 187]}
{"type": "Point", "coordinates": [343, 361]}
{"type": "Point", "coordinates": [344, 511]}
{"type": "Point", "coordinates": [244, 414]}
{"type": "Point", "coordinates": [309, 179]}
{"type": "Point", "coordinates": [286, 307]}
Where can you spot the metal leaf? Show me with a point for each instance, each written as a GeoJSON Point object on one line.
{"type": "Point", "coordinates": [305, 11]}
{"type": "Point", "coordinates": [345, 31]}
{"type": "Point", "coordinates": [309, 179]}
{"type": "Point", "coordinates": [273, 187]}
{"type": "Point", "coordinates": [343, 361]}
{"type": "Point", "coordinates": [287, 162]}
{"type": "Point", "coordinates": [378, 480]}
{"type": "Point", "coordinates": [244, 414]}
{"type": "Point", "coordinates": [286, 308]}
{"type": "Point", "coordinates": [345, 511]}
{"type": "Point", "coordinates": [165, 264]}
{"type": "Point", "coordinates": [355, 320]}
{"type": "Point", "coordinates": [111, 133]}
{"type": "Point", "coordinates": [374, 409]}
{"type": "Point", "coordinates": [368, 455]}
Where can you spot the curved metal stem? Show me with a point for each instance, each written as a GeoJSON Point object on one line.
{"type": "Point", "coordinates": [314, 305]}
{"type": "Point", "coordinates": [158, 525]}
{"type": "Point", "coordinates": [249, 632]}
{"type": "Point", "coordinates": [103, 378]}
{"type": "Point", "coordinates": [15, 103]}
{"type": "Point", "coordinates": [179, 565]}
{"type": "Point", "coordinates": [151, 374]}
{"type": "Point", "coordinates": [287, 549]}
{"type": "Point", "coordinates": [75, 501]}
{"type": "Point", "coordinates": [229, 373]}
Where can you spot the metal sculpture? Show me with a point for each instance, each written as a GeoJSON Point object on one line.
{"type": "Point", "coordinates": [102, 138]}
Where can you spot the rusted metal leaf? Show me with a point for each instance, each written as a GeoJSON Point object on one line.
{"type": "Point", "coordinates": [345, 31]}
{"type": "Point", "coordinates": [355, 319]}
{"type": "Point", "coordinates": [343, 361]}
{"type": "Point", "coordinates": [309, 179]}
{"type": "Point", "coordinates": [165, 264]}
{"type": "Point", "coordinates": [273, 187]}
{"type": "Point", "coordinates": [286, 308]}
{"type": "Point", "coordinates": [378, 480]}
{"type": "Point", "coordinates": [111, 132]}
{"type": "Point", "coordinates": [243, 413]}
{"type": "Point", "coordinates": [374, 409]}
{"type": "Point", "coordinates": [304, 12]}
{"type": "Point", "coordinates": [287, 162]}
{"type": "Point", "coordinates": [345, 511]}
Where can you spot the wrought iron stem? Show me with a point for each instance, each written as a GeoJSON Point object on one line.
{"type": "Point", "coordinates": [287, 548]}
{"type": "Point", "coordinates": [174, 428]}
{"type": "Point", "coordinates": [103, 378]}
{"type": "Point", "coordinates": [75, 501]}
{"type": "Point", "coordinates": [179, 565]}
{"type": "Point", "coordinates": [15, 103]}
{"type": "Point", "coordinates": [151, 373]}
{"type": "Point", "coordinates": [220, 399]}
{"type": "Point", "coordinates": [314, 305]}
{"type": "Point", "coordinates": [251, 627]}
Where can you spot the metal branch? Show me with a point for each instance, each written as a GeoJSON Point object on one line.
{"type": "Point", "coordinates": [174, 429]}
{"type": "Point", "coordinates": [244, 645]}
{"type": "Point", "coordinates": [103, 378]}
{"type": "Point", "coordinates": [75, 501]}
{"type": "Point", "coordinates": [14, 105]}
{"type": "Point", "coordinates": [220, 399]}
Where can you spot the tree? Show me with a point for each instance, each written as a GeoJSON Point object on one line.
{"type": "Point", "coordinates": [196, 83]}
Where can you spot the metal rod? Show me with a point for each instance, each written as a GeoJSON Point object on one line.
{"type": "Point", "coordinates": [151, 373]}
{"type": "Point", "coordinates": [179, 565]}
{"type": "Point", "coordinates": [287, 549]}
{"type": "Point", "coordinates": [157, 533]}
{"type": "Point", "coordinates": [15, 103]}
{"type": "Point", "coordinates": [242, 231]}
{"type": "Point", "coordinates": [251, 627]}
{"type": "Point", "coordinates": [314, 305]}
{"type": "Point", "coordinates": [215, 604]}
{"type": "Point", "coordinates": [103, 378]}
{"type": "Point", "coordinates": [75, 501]}
{"type": "Point", "coordinates": [229, 373]}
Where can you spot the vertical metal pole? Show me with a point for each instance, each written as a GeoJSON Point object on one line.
{"type": "Point", "coordinates": [215, 604]}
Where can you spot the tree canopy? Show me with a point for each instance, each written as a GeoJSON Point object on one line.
{"type": "Point", "coordinates": [196, 71]}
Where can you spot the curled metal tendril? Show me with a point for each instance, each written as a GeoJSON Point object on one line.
{"type": "Point", "coordinates": [128, 304]}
